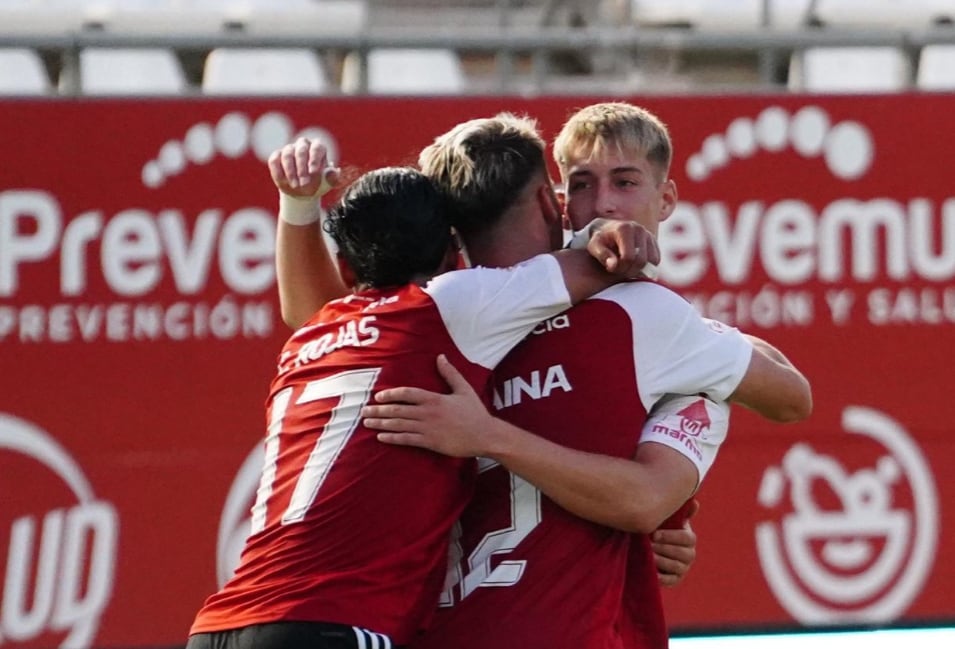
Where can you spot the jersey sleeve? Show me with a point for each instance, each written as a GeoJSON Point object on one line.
{"type": "Point", "coordinates": [676, 350]}
{"type": "Point", "coordinates": [694, 427]}
{"type": "Point", "coordinates": [488, 311]}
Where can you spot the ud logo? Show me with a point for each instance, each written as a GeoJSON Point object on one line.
{"type": "Point", "coordinates": [855, 546]}
{"type": "Point", "coordinates": [61, 558]}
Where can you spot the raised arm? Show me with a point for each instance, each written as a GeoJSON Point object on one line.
{"type": "Point", "coordinates": [306, 272]}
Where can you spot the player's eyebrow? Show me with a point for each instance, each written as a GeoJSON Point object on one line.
{"type": "Point", "coordinates": [616, 170]}
{"type": "Point", "coordinates": [627, 169]}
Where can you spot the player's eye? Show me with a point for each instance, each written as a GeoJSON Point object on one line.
{"type": "Point", "coordinates": [577, 186]}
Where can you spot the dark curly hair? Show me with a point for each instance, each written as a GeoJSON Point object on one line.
{"type": "Point", "coordinates": [391, 225]}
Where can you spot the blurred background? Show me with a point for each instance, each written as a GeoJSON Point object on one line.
{"type": "Point", "coordinates": [328, 47]}
{"type": "Point", "coordinates": [814, 152]}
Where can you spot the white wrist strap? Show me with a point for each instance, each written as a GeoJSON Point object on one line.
{"type": "Point", "coordinates": [299, 211]}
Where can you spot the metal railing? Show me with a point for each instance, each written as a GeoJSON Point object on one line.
{"type": "Point", "coordinates": [507, 43]}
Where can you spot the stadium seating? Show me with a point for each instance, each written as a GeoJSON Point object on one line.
{"type": "Point", "coordinates": [406, 72]}
{"type": "Point", "coordinates": [886, 14]}
{"type": "Point", "coordinates": [719, 14]}
{"type": "Point", "coordinates": [850, 69]}
{"type": "Point", "coordinates": [177, 17]}
{"type": "Point", "coordinates": [306, 17]}
{"type": "Point", "coordinates": [747, 14]}
{"type": "Point", "coordinates": [22, 73]}
{"type": "Point", "coordinates": [39, 17]}
{"type": "Point", "coordinates": [936, 69]}
{"type": "Point", "coordinates": [263, 71]}
{"type": "Point", "coordinates": [51, 27]}
{"type": "Point", "coordinates": [127, 71]}
{"type": "Point", "coordinates": [162, 17]}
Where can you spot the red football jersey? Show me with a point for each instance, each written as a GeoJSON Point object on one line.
{"type": "Point", "coordinates": [346, 529]}
{"type": "Point", "coordinates": [524, 571]}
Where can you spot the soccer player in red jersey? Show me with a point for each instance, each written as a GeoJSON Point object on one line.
{"type": "Point", "coordinates": [613, 158]}
{"type": "Point", "coordinates": [349, 537]}
{"type": "Point", "coordinates": [531, 571]}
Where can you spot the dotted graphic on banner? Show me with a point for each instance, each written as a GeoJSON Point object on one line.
{"type": "Point", "coordinates": [847, 147]}
{"type": "Point", "coordinates": [231, 137]}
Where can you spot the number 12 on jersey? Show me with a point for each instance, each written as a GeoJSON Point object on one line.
{"type": "Point", "coordinates": [525, 516]}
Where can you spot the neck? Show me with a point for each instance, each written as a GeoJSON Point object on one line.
{"type": "Point", "coordinates": [521, 233]}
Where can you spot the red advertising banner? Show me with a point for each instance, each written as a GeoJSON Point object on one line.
{"type": "Point", "coordinates": [139, 327]}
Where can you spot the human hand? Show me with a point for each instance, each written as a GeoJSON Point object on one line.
{"type": "Point", "coordinates": [674, 549]}
{"type": "Point", "coordinates": [624, 248]}
{"type": "Point", "coordinates": [450, 424]}
{"type": "Point", "coordinates": [302, 169]}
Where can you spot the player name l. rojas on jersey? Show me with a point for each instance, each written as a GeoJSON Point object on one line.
{"type": "Point", "coordinates": [350, 334]}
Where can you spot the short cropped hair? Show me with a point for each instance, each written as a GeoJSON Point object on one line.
{"type": "Point", "coordinates": [621, 126]}
{"type": "Point", "coordinates": [483, 165]}
{"type": "Point", "coordinates": [390, 226]}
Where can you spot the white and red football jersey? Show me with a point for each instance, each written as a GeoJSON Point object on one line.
{"type": "Point", "coordinates": [527, 573]}
{"type": "Point", "coordinates": [346, 529]}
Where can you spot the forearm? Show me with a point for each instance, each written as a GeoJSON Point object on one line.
{"type": "Point", "coordinates": [612, 491]}
{"type": "Point", "coordinates": [583, 275]}
{"type": "Point", "coordinates": [769, 350]}
{"type": "Point", "coordinates": [773, 386]}
{"type": "Point", "coordinates": [306, 272]}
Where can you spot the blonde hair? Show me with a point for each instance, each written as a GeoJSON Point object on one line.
{"type": "Point", "coordinates": [619, 126]}
{"type": "Point", "coordinates": [483, 165]}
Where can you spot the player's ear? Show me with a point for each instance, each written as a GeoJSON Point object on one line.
{"type": "Point", "coordinates": [560, 191]}
{"type": "Point", "coordinates": [549, 204]}
{"type": "Point", "coordinates": [452, 256]}
{"type": "Point", "coordinates": [668, 198]}
{"type": "Point", "coordinates": [348, 275]}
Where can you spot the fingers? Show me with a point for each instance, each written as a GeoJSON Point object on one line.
{"type": "Point", "coordinates": [602, 252]}
{"type": "Point", "coordinates": [677, 552]}
{"type": "Point", "coordinates": [288, 159]}
{"type": "Point", "coordinates": [320, 165]}
{"type": "Point", "coordinates": [672, 562]}
{"type": "Point", "coordinates": [652, 250]}
{"type": "Point", "coordinates": [316, 156]}
{"type": "Point", "coordinates": [277, 171]}
{"type": "Point", "coordinates": [677, 537]}
{"type": "Point", "coordinates": [691, 509]}
{"type": "Point", "coordinates": [666, 565]}
{"type": "Point", "coordinates": [302, 168]}
{"type": "Point", "coordinates": [624, 248]}
{"type": "Point", "coordinates": [667, 579]}
{"type": "Point", "coordinates": [301, 151]}
{"type": "Point", "coordinates": [404, 395]}
{"type": "Point", "coordinates": [402, 439]}
{"type": "Point", "coordinates": [452, 376]}
{"type": "Point", "coordinates": [392, 411]}
{"type": "Point", "coordinates": [621, 247]}
{"type": "Point", "coordinates": [330, 180]}
{"type": "Point", "coordinates": [391, 424]}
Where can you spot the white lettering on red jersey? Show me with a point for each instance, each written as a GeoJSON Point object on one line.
{"type": "Point", "coordinates": [694, 426]}
{"type": "Point", "coordinates": [530, 573]}
{"type": "Point", "coordinates": [346, 529]}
